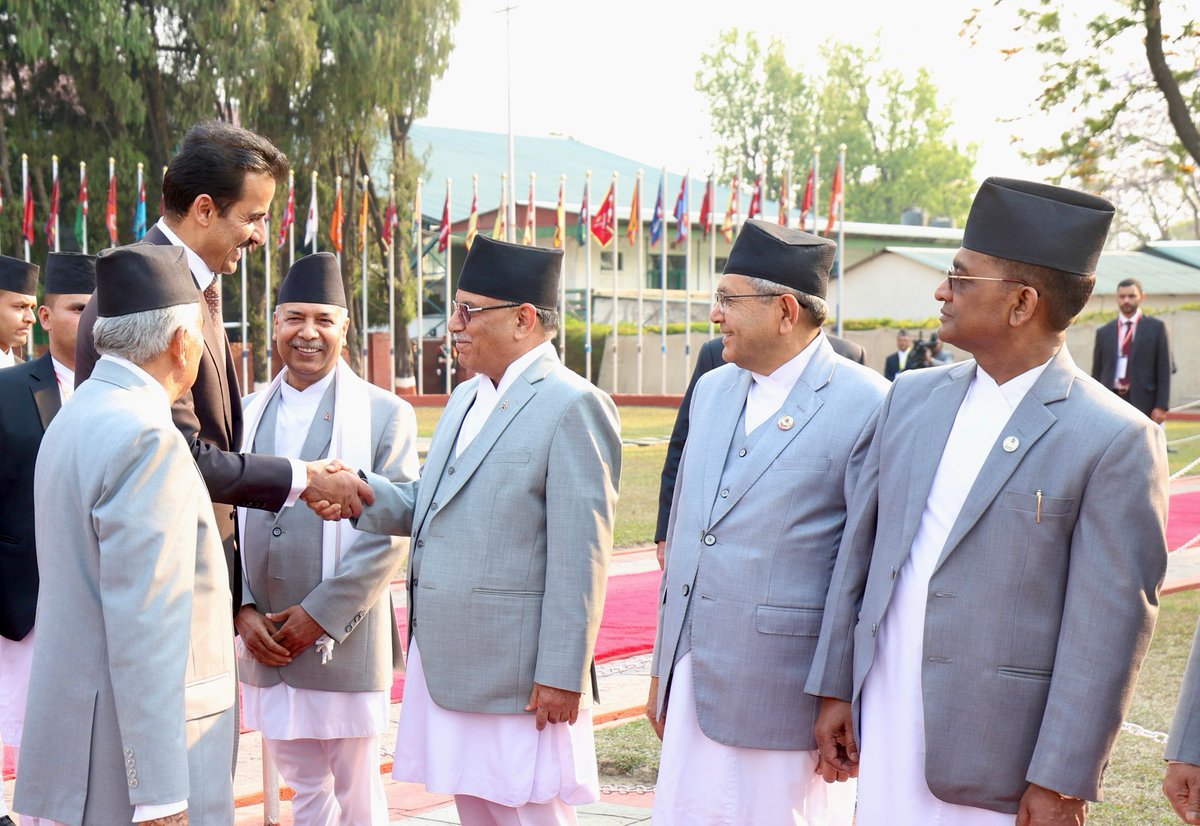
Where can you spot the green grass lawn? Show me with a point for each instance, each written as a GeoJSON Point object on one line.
{"type": "Point", "coordinates": [1186, 451]}
{"type": "Point", "coordinates": [629, 753]}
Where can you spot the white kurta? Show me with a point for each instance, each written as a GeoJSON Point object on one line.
{"type": "Point", "coordinates": [892, 790]}
{"type": "Point", "coordinates": [7, 359]}
{"type": "Point", "coordinates": [498, 757]}
{"type": "Point", "coordinates": [282, 712]}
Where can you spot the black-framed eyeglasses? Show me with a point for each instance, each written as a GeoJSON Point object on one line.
{"type": "Point", "coordinates": [466, 311]}
{"type": "Point", "coordinates": [952, 276]}
{"type": "Point", "coordinates": [723, 300]}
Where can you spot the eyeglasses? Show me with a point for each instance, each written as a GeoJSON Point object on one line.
{"type": "Point", "coordinates": [466, 311]}
{"type": "Point", "coordinates": [953, 276]}
{"type": "Point", "coordinates": [723, 300]}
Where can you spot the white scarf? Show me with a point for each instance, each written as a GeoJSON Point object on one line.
{"type": "Point", "coordinates": [350, 442]}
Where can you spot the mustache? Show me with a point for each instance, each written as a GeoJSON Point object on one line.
{"type": "Point", "coordinates": [316, 344]}
{"type": "Point", "coordinates": [459, 339]}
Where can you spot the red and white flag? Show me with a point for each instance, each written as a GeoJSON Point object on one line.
{"type": "Point", "coordinates": [604, 221]}
{"type": "Point", "coordinates": [806, 203]}
{"type": "Point", "coordinates": [836, 196]}
{"type": "Point", "coordinates": [444, 232]}
{"type": "Point", "coordinates": [110, 209]}
{"type": "Point", "coordinates": [289, 215]}
{"type": "Point", "coordinates": [755, 208]}
{"type": "Point", "coordinates": [311, 225]}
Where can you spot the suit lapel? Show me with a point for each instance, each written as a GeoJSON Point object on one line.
{"type": "Point", "coordinates": [723, 415]}
{"type": "Point", "coordinates": [320, 432]}
{"type": "Point", "coordinates": [1029, 422]}
{"type": "Point", "coordinates": [441, 449]}
{"type": "Point", "coordinates": [931, 426]}
{"type": "Point", "coordinates": [264, 436]}
{"type": "Point", "coordinates": [44, 386]}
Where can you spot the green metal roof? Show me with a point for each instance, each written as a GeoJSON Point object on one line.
{"type": "Point", "coordinates": [1185, 252]}
{"type": "Point", "coordinates": [1159, 275]}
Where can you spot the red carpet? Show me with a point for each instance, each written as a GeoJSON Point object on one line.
{"type": "Point", "coordinates": [627, 627]}
{"type": "Point", "coordinates": [1183, 518]}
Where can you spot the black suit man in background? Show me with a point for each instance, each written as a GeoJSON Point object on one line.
{"type": "Point", "coordinates": [31, 394]}
{"type": "Point", "coordinates": [1132, 356]}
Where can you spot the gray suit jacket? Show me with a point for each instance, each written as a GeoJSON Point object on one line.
{"type": "Point", "coordinates": [511, 540]}
{"type": "Point", "coordinates": [282, 558]}
{"type": "Point", "coordinates": [756, 589]}
{"type": "Point", "coordinates": [1034, 631]}
{"type": "Point", "coordinates": [134, 636]}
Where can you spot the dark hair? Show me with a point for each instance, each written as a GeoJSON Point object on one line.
{"type": "Point", "coordinates": [1131, 282]}
{"type": "Point", "coordinates": [1063, 293]}
{"type": "Point", "coordinates": [213, 160]}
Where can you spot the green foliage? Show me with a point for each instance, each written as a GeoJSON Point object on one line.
{"type": "Point", "coordinates": [889, 323]}
{"type": "Point", "coordinates": [767, 116]}
{"type": "Point", "coordinates": [326, 81]}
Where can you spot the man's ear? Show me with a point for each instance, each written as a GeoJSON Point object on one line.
{"type": "Point", "coordinates": [204, 210]}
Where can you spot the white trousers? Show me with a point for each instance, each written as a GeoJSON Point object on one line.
{"type": "Point", "coordinates": [16, 663]}
{"type": "Point", "coordinates": [704, 783]}
{"type": "Point", "coordinates": [337, 782]}
{"type": "Point", "coordinates": [475, 811]}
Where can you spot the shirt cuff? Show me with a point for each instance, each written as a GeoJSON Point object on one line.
{"type": "Point", "coordinates": [299, 482]}
{"type": "Point", "coordinates": [152, 811]}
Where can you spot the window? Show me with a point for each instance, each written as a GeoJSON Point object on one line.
{"type": "Point", "coordinates": [606, 260]}
{"type": "Point", "coordinates": [675, 272]}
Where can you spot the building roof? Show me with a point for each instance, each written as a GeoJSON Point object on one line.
{"type": "Point", "coordinates": [1185, 252]}
{"type": "Point", "coordinates": [1159, 275]}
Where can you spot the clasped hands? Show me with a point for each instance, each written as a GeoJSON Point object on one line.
{"type": "Point", "coordinates": [334, 491]}
{"type": "Point", "coordinates": [275, 639]}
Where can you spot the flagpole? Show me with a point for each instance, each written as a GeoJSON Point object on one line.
{"type": "Point", "coordinates": [362, 339]}
{"type": "Point", "coordinates": [245, 351]}
{"type": "Point", "coordinates": [562, 282]}
{"type": "Point", "coordinates": [510, 233]}
{"type": "Point", "coordinates": [83, 185]}
{"type": "Point", "coordinates": [337, 192]}
{"type": "Point", "coordinates": [531, 210]}
{"type": "Point", "coordinates": [140, 205]}
{"type": "Point", "coordinates": [292, 224]}
{"type": "Point", "coordinates": [54, 181]}
{"type": "Point", "coordinates": [112, 174]}
{"type": "Point", "coordinates": [315, 214]}
{"type": "Point", "coordinates": [616, 256]}
{"type": "Point", "coordinates": [641, 277]}
{"type": "Point", "coordinates": [587, 282]}
{"type": "Point", "coordinates": [391, 304]}
{"type": "Point", "coordinates": [841, 259]}
{"type": "Point", "coordinates": [687, 278]}
{"type": "Point", "coordinates": [662, 236]}
{"type": "Point", "coordinates": [816, 188]}
{"type": "Point", "coordinates": [267, 309]}
{"type": "Point", "coordinates": [420, 273]}
{"type": "Point", "coordinates": [24, 199]}
{"type": "Point", "coordinates": [712, 247]}
{"type": "Point", "coordinates": [449, 340]}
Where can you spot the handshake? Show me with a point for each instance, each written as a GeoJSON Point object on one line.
{"type": "Point", "coordinates": [334, 491]}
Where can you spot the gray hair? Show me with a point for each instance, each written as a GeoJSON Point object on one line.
{"type": "Point", "coordinates": [140, 337]}
{"type": "Point", "coordinates": [549, 319]}
{"type": "Point", "coordinates": [816, 307]}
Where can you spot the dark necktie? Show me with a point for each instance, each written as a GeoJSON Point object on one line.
{"type": "Point", "coordinates": [1126, 351]}
{"type": "Point", "coordinates": [212, 297]}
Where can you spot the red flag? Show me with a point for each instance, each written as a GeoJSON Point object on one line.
{"type": "Point", "coordinates": [706, 220]}
{"type": "Point", "coordinates": [27, 220]}
{"type": "Point", "coordinates": [51, 229]}
{"type": "Point", "coordinates": [604, 221]}
{"type": "Point", "coordinates": [444, 232]}
{"type": "Point", "coordinates": [289, 215]}
{"type": "Point", "coordinates": [835, 198]}
{"type": "Point", "coordinates": [806, 204]}
{"type": "Point", "coordinates": [391, 220]}
{"type": "Point", "coordinates": [755, 208]}
{"type": "Point", "coordinates": [731, 211]}
{"type": "Point", "coordinates": [335, 223]}
{"type": "Point", "coordinates": [110, 211]}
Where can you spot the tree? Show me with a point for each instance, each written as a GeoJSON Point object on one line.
{"type": "Point", "coordinates": [326, 81]}
{"type": "Point", "coordinates": [1133, 85]}
{"type": "Point", "coordinates": [767, 116]}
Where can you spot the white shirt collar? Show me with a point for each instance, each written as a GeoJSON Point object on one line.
{"type": "Point", "coordinates": [518, 367]}
{"type": "Point", "coordinates": [1015, 389]}
{"type": "Point", "coordinates": [138, 371]}
{"type": "Point", "coordinates": [316, 390]}
{"type": "Point", "coordinates": [787, 374]}
{"type": "Point", "coordinates": [1135, 318]}
{"type": "Point", "coordinates": [66, 378]}
{"type": "Point", "coordinates": [200, 271]}
{"type": "Point", "coordinates": [7, 359]}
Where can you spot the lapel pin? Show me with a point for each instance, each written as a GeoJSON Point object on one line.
{"type": "Point", "coordinates": [329, 417]}
{"type": "Point", "coordinates": [504, 405]}
{"type": "Point", "coordinates": [1011, 444]}
{"type": "Point", "coordinates": [786, 423]}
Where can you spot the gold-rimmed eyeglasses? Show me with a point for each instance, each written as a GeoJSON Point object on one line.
{"type": "Point", "coordinates": [723, 300]}
{"type": "Point", "coordinates": [952, 276]}
{"type": "Point", "coordinates": [465, 311]}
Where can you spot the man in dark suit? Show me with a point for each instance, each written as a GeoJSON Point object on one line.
{"type": "Point", "coordinates": [31, 394]}
{"type": "Point", "coordinates": [217, 192]}
{"type": "Point", "coordinates": [1132, 356]}
{"type": "Point", "coordinates": [897, 362]}
{"type": "Point", "coordinates": [709, 358]}
{"type": "Point", "coordinates": [18, 297]}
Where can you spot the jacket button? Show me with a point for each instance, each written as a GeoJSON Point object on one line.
{"type": "Point", "coordinates": [349, 628]}
{"type": "Point", "coordinates": [725, 493]}
{"type": "Point", "coordinates": [742, 452]}
{"type": "Point", "coordinates": [414, 582]}
{"type": "Point", "coordinates": [685, 590]}
{"type": "Point", "coordinates": [433, 507]}
{"type": "Point", "coordinates": [709, 539]}
{"type": "Point", "coordinates": [420, 543]}
{"type": "Point", "coordinates": [450, 471]}
{"type": "Point", "coordinates": [276, 532]}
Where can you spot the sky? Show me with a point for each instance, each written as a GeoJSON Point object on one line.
{"type": "Point", "coordinates": [620, 75]}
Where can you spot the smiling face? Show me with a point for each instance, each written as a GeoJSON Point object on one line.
{"type": "Point", "coordinates": [750, 326]}
{"type": "Point", "coordinates": [309, 339]}
{"type": "Point", "coordinates": [16, 319]}
{"type": "Point", "coordinates": [222, 240]}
